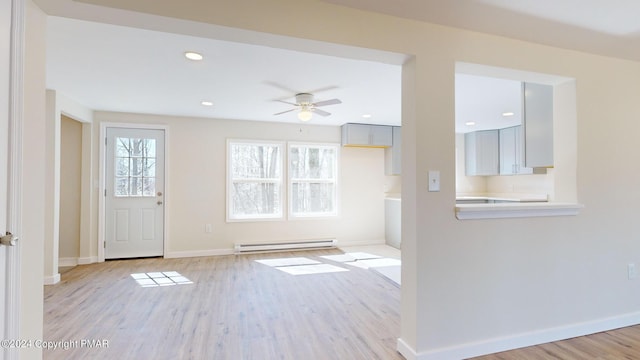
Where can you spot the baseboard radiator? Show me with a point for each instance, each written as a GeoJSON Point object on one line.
{"type": "Point", "coordinates": [287, 245]}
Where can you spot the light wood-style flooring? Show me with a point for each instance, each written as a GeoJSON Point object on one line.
{"type": "Point", "coordinates": [617, 344]}
{"type": "Point", "coordinates": [236, 308]}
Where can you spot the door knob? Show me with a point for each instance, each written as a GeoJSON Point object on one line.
{"type": "Point", "coordinates": [159, 193]}
{"type": "Point", "coordinates": [159, 202]}
{"type": "Point", "coordinates": [8, 240]}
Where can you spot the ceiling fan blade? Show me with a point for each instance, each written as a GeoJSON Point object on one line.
{"type": "Point", "coordinates": [287, 102]}
{"type": "Point", "coordinates": [326, 88]}
{"type": "Point", "coordinates": [328, 102]}
{"type": "Point", "coordinates": [321, 112]}
{"type": "Point", "coordinates": [280, 86]}
{"type": "Point", "coordinates": [284, 112]}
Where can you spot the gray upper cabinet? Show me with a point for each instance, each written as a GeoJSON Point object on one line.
{"type": "Point", "coordinates": [538, 122]}
{"type": "Point", "coordinates": [393, 155]}
{"type": "Point", "coordinates": [512, 151]}
{"type": "Point", "coordinates": [482, 154]}
{"type": "Point", "coordinates": [366, 135]}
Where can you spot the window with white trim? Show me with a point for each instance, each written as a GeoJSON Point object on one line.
{"type": "Point", "coordinates": [313, 180]}
{"type": "Point", "coordinates": [255, 180]}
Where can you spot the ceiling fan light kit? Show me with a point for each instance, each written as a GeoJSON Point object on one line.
{"type": "Point", "coordinates": [304, 102]}
{"type": "Point", "coordinates": [305, 114]}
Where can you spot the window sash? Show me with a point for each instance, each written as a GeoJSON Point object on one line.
{"type": "Point", "coordinates": [313, 204]}
{"type": "Point", "coordinates": [256, 203]}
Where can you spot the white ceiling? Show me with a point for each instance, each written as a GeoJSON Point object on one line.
{"type": "Point", "coordinates": [122, 68]}
{"type": "Point", "coordinates": [608, 27]}
{"type": "Point", "coordinates": [483, 101]}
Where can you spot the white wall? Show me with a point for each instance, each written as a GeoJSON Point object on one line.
{"type": "Point", "coordinates": [196, 190]}
{"type": "Point", "coordinates": [70, 188]}
{"type": "Point", "coordinates": [472, 287]}
{"type": "Point", "coordinates": [33, 177]}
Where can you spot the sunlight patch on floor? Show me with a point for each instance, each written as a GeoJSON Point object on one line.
{"type": "Point", "coordinates": [288, 261]}
{"type": "Point", "coordinates": [351, 256]}
{"type": "Point", "coordinates": [301, 266]}
{"type": "Point", "coordinates": [386, 266]}
{"type": "Point", "coordinates": [373, 263]}
{"type": "Point", "coordinates": [164, 278]}
{"type": "Point", "coordinates": [311, 269]}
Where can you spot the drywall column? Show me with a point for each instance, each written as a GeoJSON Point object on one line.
{"type": "Point", "coordinates": [58, 104]}
{"type": "Point", "coordinates": [33, 181]}
{"type": "Point", "coordinates": [409, 301]}
{"type": "Point", "coordinates": [88, 231]}
{"type": "Point", "coordinates": [52, 191]}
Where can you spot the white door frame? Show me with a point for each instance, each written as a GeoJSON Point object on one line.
{"type": "Point", "coordinates": [103, 173]}
{"type": "Point", "coordinates": [12, 307]}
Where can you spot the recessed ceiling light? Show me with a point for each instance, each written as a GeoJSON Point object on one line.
{"type": "Point", "coordinates": [191, 55]}
{"type": "Point", "coordinates": [507, 114]}
{"type": "Point", "coordinates": [470, 123]}
{"type": "Point", "coordinates": [206, 103]}
{"type": "Point", "coordinates": [366, 116]}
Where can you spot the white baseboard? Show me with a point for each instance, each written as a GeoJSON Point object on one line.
{"type": "Point", "coordinates": [197, 253]}
{"type": "Point", "coordinates": [342, 243]}
{"type": "Point", "coordinates": [52, 280]}
{"type": "Point", "coordinates": [407, 351]}
{"type": "Point", "coordinates": [71, 261]}
{"type": "Point", "coordinates": [87, 260]}
{"type": "Point", "coordinates": [495, 345]}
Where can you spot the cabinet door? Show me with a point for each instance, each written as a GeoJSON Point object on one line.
{"type": "Point", "coordinates": [520, 166]}
{"type": "Point", "coordinates": [538, 120]}
{"type": "Point", "coordinates": [355, 134]}
{"type": "Point", "coordinates": [508, 154]}
{"type": "Point", "coordinates": [381, 135]}
{"type": "Point", "coordinates": [512, 151]}
{"type": "Point", "coordinates": [393, 154]}
{"type": "Point", "coordinates": [482, 152]}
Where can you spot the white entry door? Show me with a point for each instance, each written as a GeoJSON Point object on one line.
{"type": "Point", "coordinates": [134, 205]}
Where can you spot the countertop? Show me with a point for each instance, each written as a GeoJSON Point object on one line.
{"type": "Point", "coordinates": [515, 197]}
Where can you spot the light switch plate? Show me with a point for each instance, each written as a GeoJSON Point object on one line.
{"type": "Point", "coordinates": [434, 180]}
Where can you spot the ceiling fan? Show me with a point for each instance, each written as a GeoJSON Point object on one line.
{"type": "Point", "coordinates": [304, 103]}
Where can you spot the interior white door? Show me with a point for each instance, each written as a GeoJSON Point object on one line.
{"type": "Point", "coordinates": [134, 207]}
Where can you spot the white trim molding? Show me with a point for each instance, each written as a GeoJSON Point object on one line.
{"type": "Point", "coordinates": [12, 306]}
{"type": "Point", "coordinates": [197, 253]}
{"type": "Point", "coordinates": [87, 260]}
{"type": "Point", "coordinates": [495, 345]}
{"type": "Point", "coordinates": [52, 280]}
{"type": "Point", "coordinates": [515, 210]}
{"type": "Point", "coordinates": [102, 174]}
{"type": "Point", "coordinates": [66, 262]}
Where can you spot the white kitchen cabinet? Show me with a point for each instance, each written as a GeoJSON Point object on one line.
{"type": "Point", "coordinates": [367, 135]}
{"type": "Point", "coordinates": [482, 154]}
{"type": "Point", "coordinates": [393, 154]}
{"type": "Point", "coordinates": [512, 151]}
{"type": "Point", "coordinates": [538, 122]}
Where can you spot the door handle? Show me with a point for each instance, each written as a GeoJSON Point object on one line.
{"type": "Point", "coordinates": [9, 239]}
{"type": "Point", "coordinates": [159, 203]}
{"type": "Point", "coordinates": [159, 193]}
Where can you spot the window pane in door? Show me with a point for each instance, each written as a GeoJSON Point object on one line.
{"type": "Point", "coordinates": [135, 167]}
{"type": "Point", "coordinates": [122, 186]}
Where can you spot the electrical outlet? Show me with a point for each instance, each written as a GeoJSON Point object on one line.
{"type": "Point", "coordinates": [207, 228]}
{"type": "Point", "coordinates": [632, 271]}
